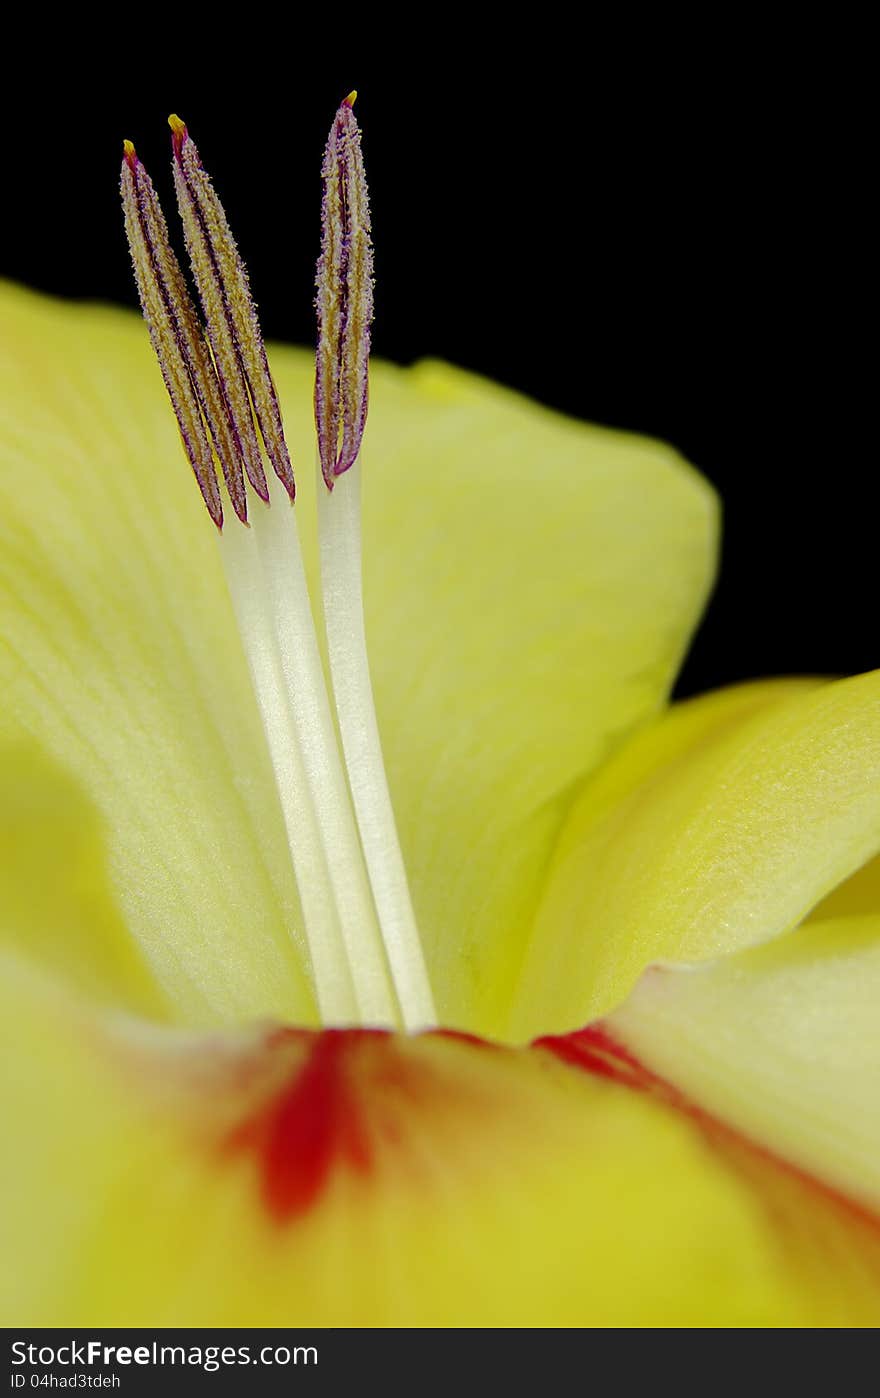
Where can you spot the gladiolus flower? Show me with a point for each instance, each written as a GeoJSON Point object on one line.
{"type": "Point", "coordinates": [593, 1040]}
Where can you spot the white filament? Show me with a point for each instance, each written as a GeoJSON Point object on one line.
{"type": "Point", "coordinates": [267, 583]}
{"type": "Point", "coordinates": [287, 597]}
{"type": "Point", "coordinates": [333, 982]}
{"type": "Point", "coordinates": [339, 516]}
{"type": "Point", "coordinates": [360, 927]}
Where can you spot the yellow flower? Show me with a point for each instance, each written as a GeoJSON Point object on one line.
{"type": "Point", "coordinates": [693, 1139]}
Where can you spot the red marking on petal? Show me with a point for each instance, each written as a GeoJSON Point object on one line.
{"type": "Point", "coordinates": [461, 1036]}
{"type": "Point", "coordinates": [306, 1107]}
{"type": "Point", "coordinates": [594, 1050]}
{"type": "Point", "coordinates": [312, 1123]}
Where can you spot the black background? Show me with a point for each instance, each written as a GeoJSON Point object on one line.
{"type": "Point", "coordinates": [659, 231]}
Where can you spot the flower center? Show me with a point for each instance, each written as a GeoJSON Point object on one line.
{"type": "Point", "coordinates": [357, 913]}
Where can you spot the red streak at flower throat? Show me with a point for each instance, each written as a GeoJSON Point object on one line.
{"type": "Point", "coordinates": [308, 1127]}
{"type": "Point", "coordinates": [594, 1050]}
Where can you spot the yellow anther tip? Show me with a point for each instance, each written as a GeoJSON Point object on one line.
{"type": "Point", "coordinates": [128, 150]}
{"type": "Point", "coordinates": [350, 100]}
{"type": "Point", "coordinates": [177, 126]}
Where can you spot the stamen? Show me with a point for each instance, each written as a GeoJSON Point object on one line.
{"type": "Point", "coordinates": [324, 806]}
{"type": "Point", "coordinates": [345, 301]}
{"type": "Point", "coordinates": [178, 341]}
{"type": "Point", "coordinates": [264, 571]}
{"type": "Point", "coordinates": [233, 328]}
{"type": "Point", "coordinates": [359, 922]}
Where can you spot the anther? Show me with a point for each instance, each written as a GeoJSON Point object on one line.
{"type": "Point", "coordinates": [231, 318]}
{"type": "Point", "coordinates": [178, 341]}
{"type": "Point", "coordinates": [344, 300]}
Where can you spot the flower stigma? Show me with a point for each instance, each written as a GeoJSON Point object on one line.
{"type": "Point", "coordinates": [357, 914]}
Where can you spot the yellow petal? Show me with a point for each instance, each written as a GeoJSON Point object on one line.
{"type": "Point", "coordinates": [782, 1041]}
{"type": "Point", "coordinates": [277, 1177]}
{"type": "Point", "coordinates": [531, 583]}
{"type": "Point", "coordinates": [720, 827]}
{"type": "Point", "coordinates": [857, 896]}
{"type": "Point", "coordinates": [56, 904]}
{"type": "Point", "coordinates": [121, 664]}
